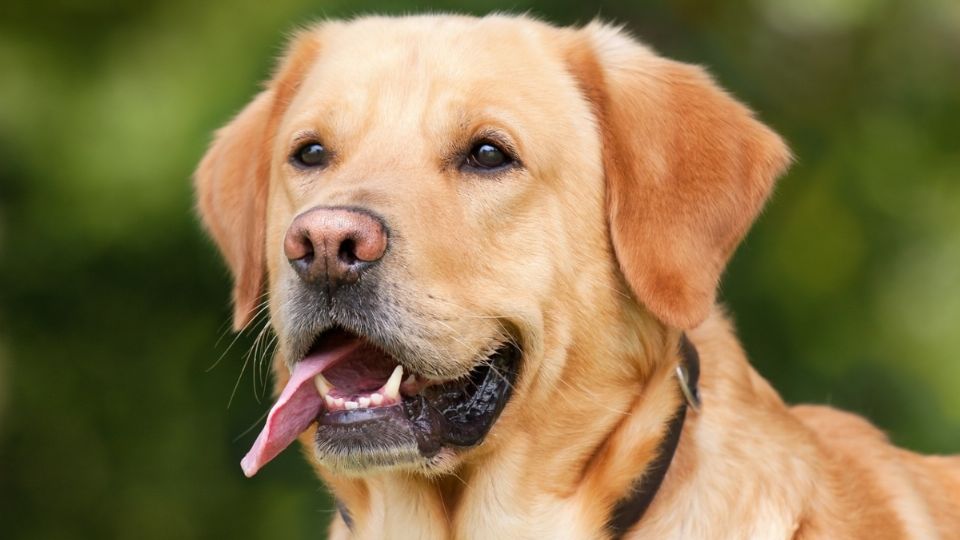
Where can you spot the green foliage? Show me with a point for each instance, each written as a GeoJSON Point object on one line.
{"type": "Point", "coordinates": [111, 303]}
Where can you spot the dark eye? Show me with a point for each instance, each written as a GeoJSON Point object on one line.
{"type": "Point", "coordinates": [487, 156]}
{"type": "Point", "coordinates": [311, 155]}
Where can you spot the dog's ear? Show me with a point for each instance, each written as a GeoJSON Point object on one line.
{"type": "Point", "coordinates": [231, 184]}
{"type": "Point", "coordinates": [687, 168]}
{"type": "Point", "coordinates": [233, 177]}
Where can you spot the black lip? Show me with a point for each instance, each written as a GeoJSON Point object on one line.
{"type": "Point", "coordinates": [457, 413]}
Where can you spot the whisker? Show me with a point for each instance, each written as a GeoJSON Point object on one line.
{"type": "Point", "coordinates": [462, 481]}
{"type": "Point", "coordinates": [236, 337]}
{"type": "Point", "coordinates": [265, 363]}
{"type": "Point", "coordinates": [237, 384]}
{"type": "Point", "coordinates": [254, 352]}
{"type": "Point", "coordinates": [225, 327]}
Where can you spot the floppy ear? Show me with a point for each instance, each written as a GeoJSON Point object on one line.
{"type": "Point", "coordinates": [231, 184]}
{"type": "Point", "coordinates": [232, 179]}
{"type": "Point", "coordinates": [687, 167]}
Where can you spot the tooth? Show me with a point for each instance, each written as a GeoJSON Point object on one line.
{"type": "Point", "coordinates": [376, 398]}
{"type": "Point", "coordinates": [410, 380]}
{"type": "Point", "coordinates": [364, 402]}
{"type": "Point", "coordinates": [330, 401]}
{"type": "Point", "coordinates": [322, 384]}
{"type": "Point", "coordinates": [350, 405]}
{"type": "Point", "coordinates": [338, 402]}
{"type": "Point", "coordinates": [391, 390]}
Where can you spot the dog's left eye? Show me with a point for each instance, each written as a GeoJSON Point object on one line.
{"type": "Point", "coordinates": [311, 155]}
{"type": "Point", "coordinates": [486, 156]}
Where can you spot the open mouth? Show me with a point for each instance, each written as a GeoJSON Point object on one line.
{"type": "Point", "coordinates": [371, 412]}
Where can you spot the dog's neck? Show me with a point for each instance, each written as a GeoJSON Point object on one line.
{"type": "Point", "coordinates": [630, 509]}
{"type": "Point", "coordinates": [581, 463]}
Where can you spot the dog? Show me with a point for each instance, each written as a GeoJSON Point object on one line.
{"type": "Point", "coordinates": [491, 248]}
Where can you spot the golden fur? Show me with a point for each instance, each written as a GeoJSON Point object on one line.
{"type": "Point", "coordinates": [639, 178]}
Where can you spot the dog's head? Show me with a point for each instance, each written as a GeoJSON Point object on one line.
{"type": "Point", "coordinates": [445, 211]}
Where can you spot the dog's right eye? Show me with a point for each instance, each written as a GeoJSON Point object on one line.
{"type": "Point", "coordinates": [488, 157]}
{"type": "Point", "coordinates": [311, 155]}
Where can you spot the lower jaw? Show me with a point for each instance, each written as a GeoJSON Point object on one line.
{"type": "Point", "coordinates": [367, 440]}
{"type": "Point", "coordinates": [414, 434]}
{"type": "Point", "coordinates": [357, 462]}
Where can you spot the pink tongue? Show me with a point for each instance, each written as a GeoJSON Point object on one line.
{"type": "Point", "coordinates": [296, 408]}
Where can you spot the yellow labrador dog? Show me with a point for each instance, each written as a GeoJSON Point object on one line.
{"type": "Point", "coordinates": [491, 248]}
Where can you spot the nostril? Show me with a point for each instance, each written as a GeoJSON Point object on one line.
{"type": "Point", "coordinates": [304, 251]}
{"type": "Point", "coordinates": [299, 249]}
{"type": "Point", "coordinates": [306, 260]}
{"type": "Point", "coordinates": [348, 252]}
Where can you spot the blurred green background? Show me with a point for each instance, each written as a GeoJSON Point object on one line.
{"type": "Point", "coordinates": [112, 301]}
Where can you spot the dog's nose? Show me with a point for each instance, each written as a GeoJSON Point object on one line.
{"type": "Point", "coordinates": [334, 245]}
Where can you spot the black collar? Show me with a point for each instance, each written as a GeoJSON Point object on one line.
{"type": "Point", "coordinates": [630, 509]}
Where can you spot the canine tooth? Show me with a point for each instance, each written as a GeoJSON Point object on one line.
{"type": "Point", "coordinates": [330, 401]}
{"type": "Point", "coordinates": [391, 390]}
{"type": "Point", "coordinates": [364, 402]}
{"type": "Point", "coordinates": [322, 384]}
{"type": "Point", "coordinates": [350, 405]}
{"type": "Point", "coordinates": [376, 398]}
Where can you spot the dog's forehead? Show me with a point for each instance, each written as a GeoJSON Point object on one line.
{"type": "Point", "coordinates": [450, 45]}
{"type": "Point", "coordinates": [380, 71]}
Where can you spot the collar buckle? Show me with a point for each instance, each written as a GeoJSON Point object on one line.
{"type": "Point", "coordinates": [691, 393]}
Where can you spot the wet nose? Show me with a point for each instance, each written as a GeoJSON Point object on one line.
{"type": "Point", "coordinates": [334, 245]}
